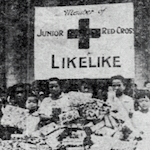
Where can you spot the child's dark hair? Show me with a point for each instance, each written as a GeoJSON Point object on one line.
{"type": "Point", "coordinates": [32, 95]}
{"type": "Point", "coordinates": [55, 79]}
{"type": "Point", "coordinates": [118, 77]}
{"type": "Point", "coordinates": [142, 94]}
{"type": "Point", "coordinates": [146, 82]}
{"type": "Point", "coordinates": [86, 82]}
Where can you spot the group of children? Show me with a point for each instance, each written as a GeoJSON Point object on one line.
{"type": "Point", "coordinates": [48, 110]}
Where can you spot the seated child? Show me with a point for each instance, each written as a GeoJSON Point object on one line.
{"type": "Point", "coordinates": [32, 119]}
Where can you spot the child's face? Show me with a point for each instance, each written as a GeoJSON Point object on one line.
{"type": "Point", "coordinates": [118, 87]}
{"type": "Point", "coordinates": [31, 103]}
{"type": "Point", "coordinates": [54, 88]}
{"type": "Point", "coordinates": [148, 86]}
{"type": "Point", "coordinates": [85, 88]}
{"type": "Point", "coordinates": [144, 103]}
{"type": "Point", "coordinates": [19, 93]}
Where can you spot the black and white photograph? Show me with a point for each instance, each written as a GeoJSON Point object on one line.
{"type": "Point", "coordinates": [75, 75]}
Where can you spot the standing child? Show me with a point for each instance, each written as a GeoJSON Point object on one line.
{"type": "Point", "coordinates": [141, 119]}
{"type": "Point", "coordinates": [32, 120]}
{"type": "Point", "coordinates": [118, 100]}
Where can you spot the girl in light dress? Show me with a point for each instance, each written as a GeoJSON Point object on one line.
{"type": "Point", "coordinates": [141, 119]}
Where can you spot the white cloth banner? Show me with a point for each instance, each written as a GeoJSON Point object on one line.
{"type": "Point", "coordinates": [91, 41]}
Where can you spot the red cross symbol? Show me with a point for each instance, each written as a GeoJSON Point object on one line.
{"type": "Point", "coordinates": [84, 33]}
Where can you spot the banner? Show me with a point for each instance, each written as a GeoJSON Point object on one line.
{"type": "Point", "coordinates": [91, 41]}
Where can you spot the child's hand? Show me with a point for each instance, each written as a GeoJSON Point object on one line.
{"type": "Point", "coordinates": [98, 132]}
{"type": "Point", "coordinates": [44, 117]}
{"type": "Point", "coordinates": [111, 96]}
{"type": "Point", "coordinates": [36, 114]}
{"type": "Point", "coordinates": [137, 134]}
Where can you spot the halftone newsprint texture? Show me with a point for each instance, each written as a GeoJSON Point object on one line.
{"type": "Point", "coordinates": [81, 41]}
{"type": "Point", "coordinates": [75, 75]}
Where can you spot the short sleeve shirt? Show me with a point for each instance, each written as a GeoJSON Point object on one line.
{"type": "Point", "coordinates": [142, 122]}
{"type": "Point", "coordinates": [48, 104]}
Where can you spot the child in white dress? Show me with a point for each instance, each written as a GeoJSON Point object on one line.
{"type": "Point", "coordinates": [141, 119]}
